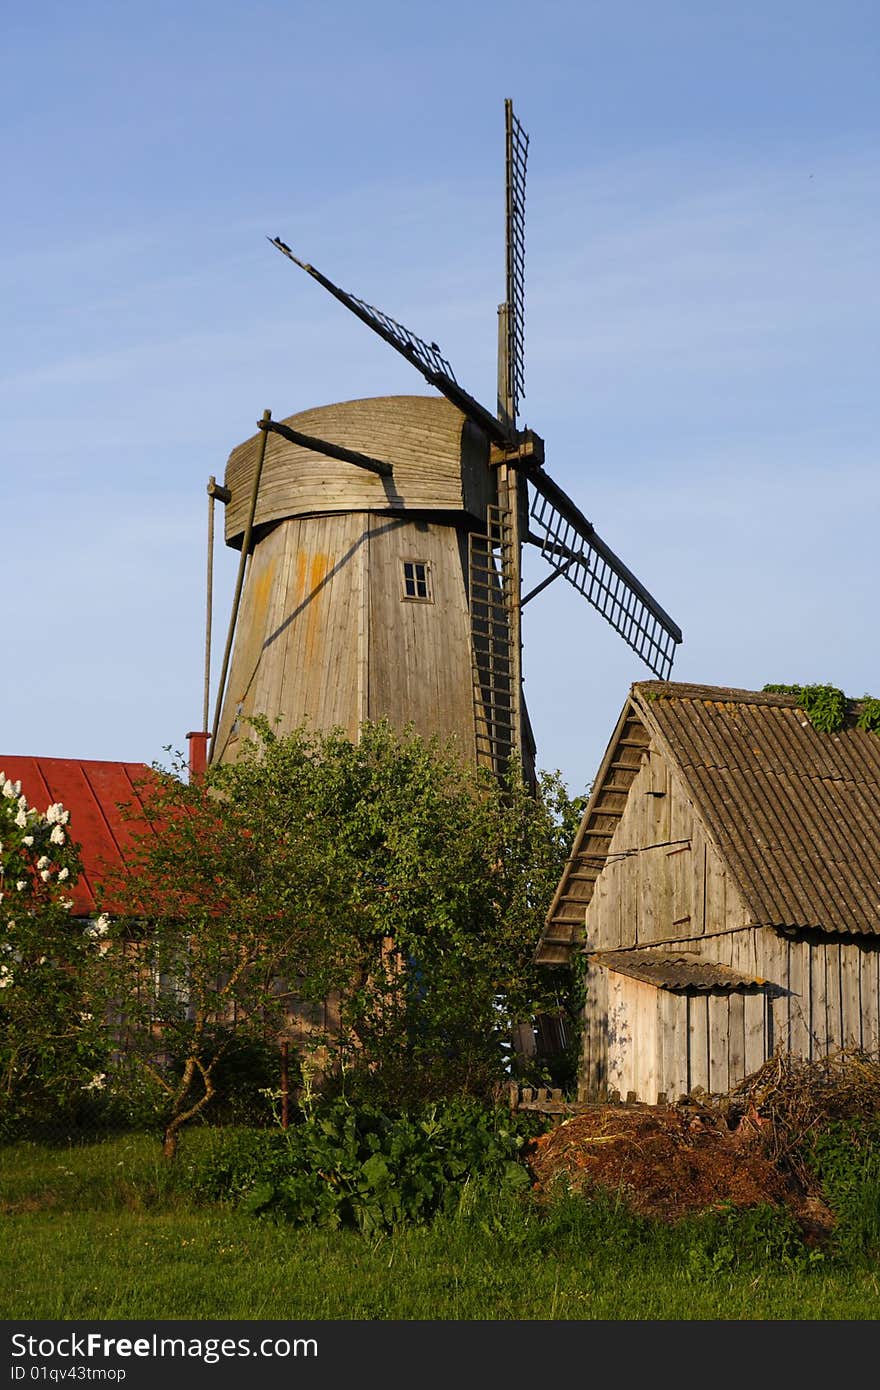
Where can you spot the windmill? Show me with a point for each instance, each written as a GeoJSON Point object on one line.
{"type": "Point", "coordinates": [381, 544]}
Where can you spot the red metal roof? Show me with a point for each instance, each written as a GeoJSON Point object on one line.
{"type": "Point", "coordinates": [92, 792]}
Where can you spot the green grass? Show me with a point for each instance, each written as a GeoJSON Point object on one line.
{"type": "Point", "coordinates": [101, 1231]}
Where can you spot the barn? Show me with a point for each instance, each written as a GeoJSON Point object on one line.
{"type": "Point", "coordinates": [724, 891]}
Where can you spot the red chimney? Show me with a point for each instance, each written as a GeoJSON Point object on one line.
{"type": "Point", "coordinates": [198, 753]}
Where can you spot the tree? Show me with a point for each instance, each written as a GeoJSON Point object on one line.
{"type": "Point", "coordinates": [52, 1047]}
{"type": "Point", "coordinates": [385, 873]}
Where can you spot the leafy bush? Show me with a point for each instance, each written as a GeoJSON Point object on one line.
{"type": "Point", "coordinates": [845, 1157]}
{"type": "Point", "coordinates": [364, 1167]}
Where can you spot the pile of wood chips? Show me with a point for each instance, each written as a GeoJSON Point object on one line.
{"type": "Point", "coordinates": [741, 1149]}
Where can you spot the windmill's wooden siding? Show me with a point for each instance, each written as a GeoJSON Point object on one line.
{"type": "Point", "coordinates": [420, 653]}
{"type": "Point", "coordinates": [440, 462]}
{"type": "Point", "coordinates": [326, 637]}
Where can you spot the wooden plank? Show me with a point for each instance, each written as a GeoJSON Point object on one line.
{"type": "Point", "coordinates": [736, 1041]}
{"type": "Point", "coordinates": [594, 1050]}
{"type": "Point", "coordinates": [850, 997]}
{"type": "Point", "coordinates": [799, 1041]}
{"type": "Point", "coordinates": [620, 1039]}
{"type": "Point", "coordinates": [698, 888]}
{"type": "Point", "coordinates": [698, 1043]}
{"type": "Point", "coordinates": [818, 1019]}
{"type": "Point", "coordinates": [833, 1012]}
{"type": "Point", "coordinates": [645, 1039]}
{"type": "Point", "coordinates": [869, 994]}
{"type": "Point", "coordinates": [673, 1045]}
{"type": "Point", "coordinates": [754, 1025]}
{"type": "Point", "coordinates": [719, 1029]}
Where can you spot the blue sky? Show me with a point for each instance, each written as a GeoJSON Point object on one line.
{"type": "Point", "coordinates": [701, 319]}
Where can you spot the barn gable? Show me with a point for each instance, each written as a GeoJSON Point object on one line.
{"type": "Point", "coordinates": [792, 814]}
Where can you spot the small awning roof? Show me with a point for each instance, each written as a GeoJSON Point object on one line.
{"type": "Point", "coordinates": [682, 971]}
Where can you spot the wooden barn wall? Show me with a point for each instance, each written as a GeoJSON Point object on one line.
{"type": "Point", "coordinates": [664, 1043]}
{"type": "Point", "coordinates": [828, 990]}
{"type": "Point", "coordinates": [819, 996]}
{"type": "Point", "coordinates": [595, 1041]}
{"type": "Point", "coordinates": [662, 880]}
{"type": "Point", "coordinates": [833, 989]}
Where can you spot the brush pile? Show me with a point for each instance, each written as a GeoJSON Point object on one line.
{"type": "Point", "coordinates": [742, 1149]}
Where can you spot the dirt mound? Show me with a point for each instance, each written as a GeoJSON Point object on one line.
{"type": "Point", "coordinates": [670, 1162]}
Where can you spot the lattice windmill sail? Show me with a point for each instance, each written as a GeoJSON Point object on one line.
{"type": "Point", "coordinates": [381, 545]}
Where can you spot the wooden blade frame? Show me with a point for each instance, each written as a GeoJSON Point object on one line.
{"type": "Point", "coordinates": [569, 542]}
{"type": "Point", "coordinates": [513, 375]}
{"type": "Point", "coordinates": [425, 357]}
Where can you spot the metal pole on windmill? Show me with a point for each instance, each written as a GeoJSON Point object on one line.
{"type": "Point", "coordinates": [209, 602]}
{"type": "Point", "coordinates": [243, 559]}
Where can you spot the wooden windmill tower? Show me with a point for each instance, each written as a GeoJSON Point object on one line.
{"type": "Point", "coordinates": [380, 545]}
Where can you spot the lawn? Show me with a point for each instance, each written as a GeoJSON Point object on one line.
{"type": "Point", "coordinates": [103, 1231]}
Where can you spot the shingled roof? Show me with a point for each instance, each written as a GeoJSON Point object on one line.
{"type": "Point", "coordinates": [793, 812]}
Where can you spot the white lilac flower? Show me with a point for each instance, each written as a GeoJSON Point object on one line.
{"type": "Point", "coordinates": [45, 875]}
{"type": "Point", "coordinates": [67, 904]}
{"type": "Point", "coordinates": [25, 840]}
{"type": "Point", "coordinates": [21, 885]}
{"type": "Point", "coordinates": [86, 1018]}
{"type": "Point", "coordinates": [97, 1083]}
{"type": "Point", "coordinates": [22, 803]}
{"type": "Point", "coordinates": [9, 790]}
{"type": "Point", "coordinates": [21, 820]}
{"type": "Point", "coordinates": [57, 836]}
{"type": "Point", "coordinates": [64, 818]}
{"type": "Point", "coordinates": [99, 927]}
{"type": "Point", "coordinates": [43, 862]}
{"type": "Point", "coordinates": [6, 977]}
{"type": "Point", "coordinates": [63, 874]}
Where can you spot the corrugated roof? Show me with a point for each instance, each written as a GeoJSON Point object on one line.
{"type": "Point", "coordinates": [793, 812]}
{"type": "Point", "coordinates": [681, 971]}
{"type": "Point", "coordinates": [92, 792]}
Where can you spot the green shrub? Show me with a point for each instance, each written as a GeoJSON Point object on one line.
{"type": "Point", "coordinates": [845, 1156]}
{"type": "Point", "coordinates": [363, 1166]}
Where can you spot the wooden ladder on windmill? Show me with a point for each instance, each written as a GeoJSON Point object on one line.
{"type": "Point", "coordinates": [491, 583]}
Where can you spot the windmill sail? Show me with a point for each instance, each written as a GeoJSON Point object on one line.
{"type": "Point", "coordinates": [570, 544]}
{"type": "Point", "coordinates": [517, 144]}
{"type": "Point", "coordinates": [426, 357]}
